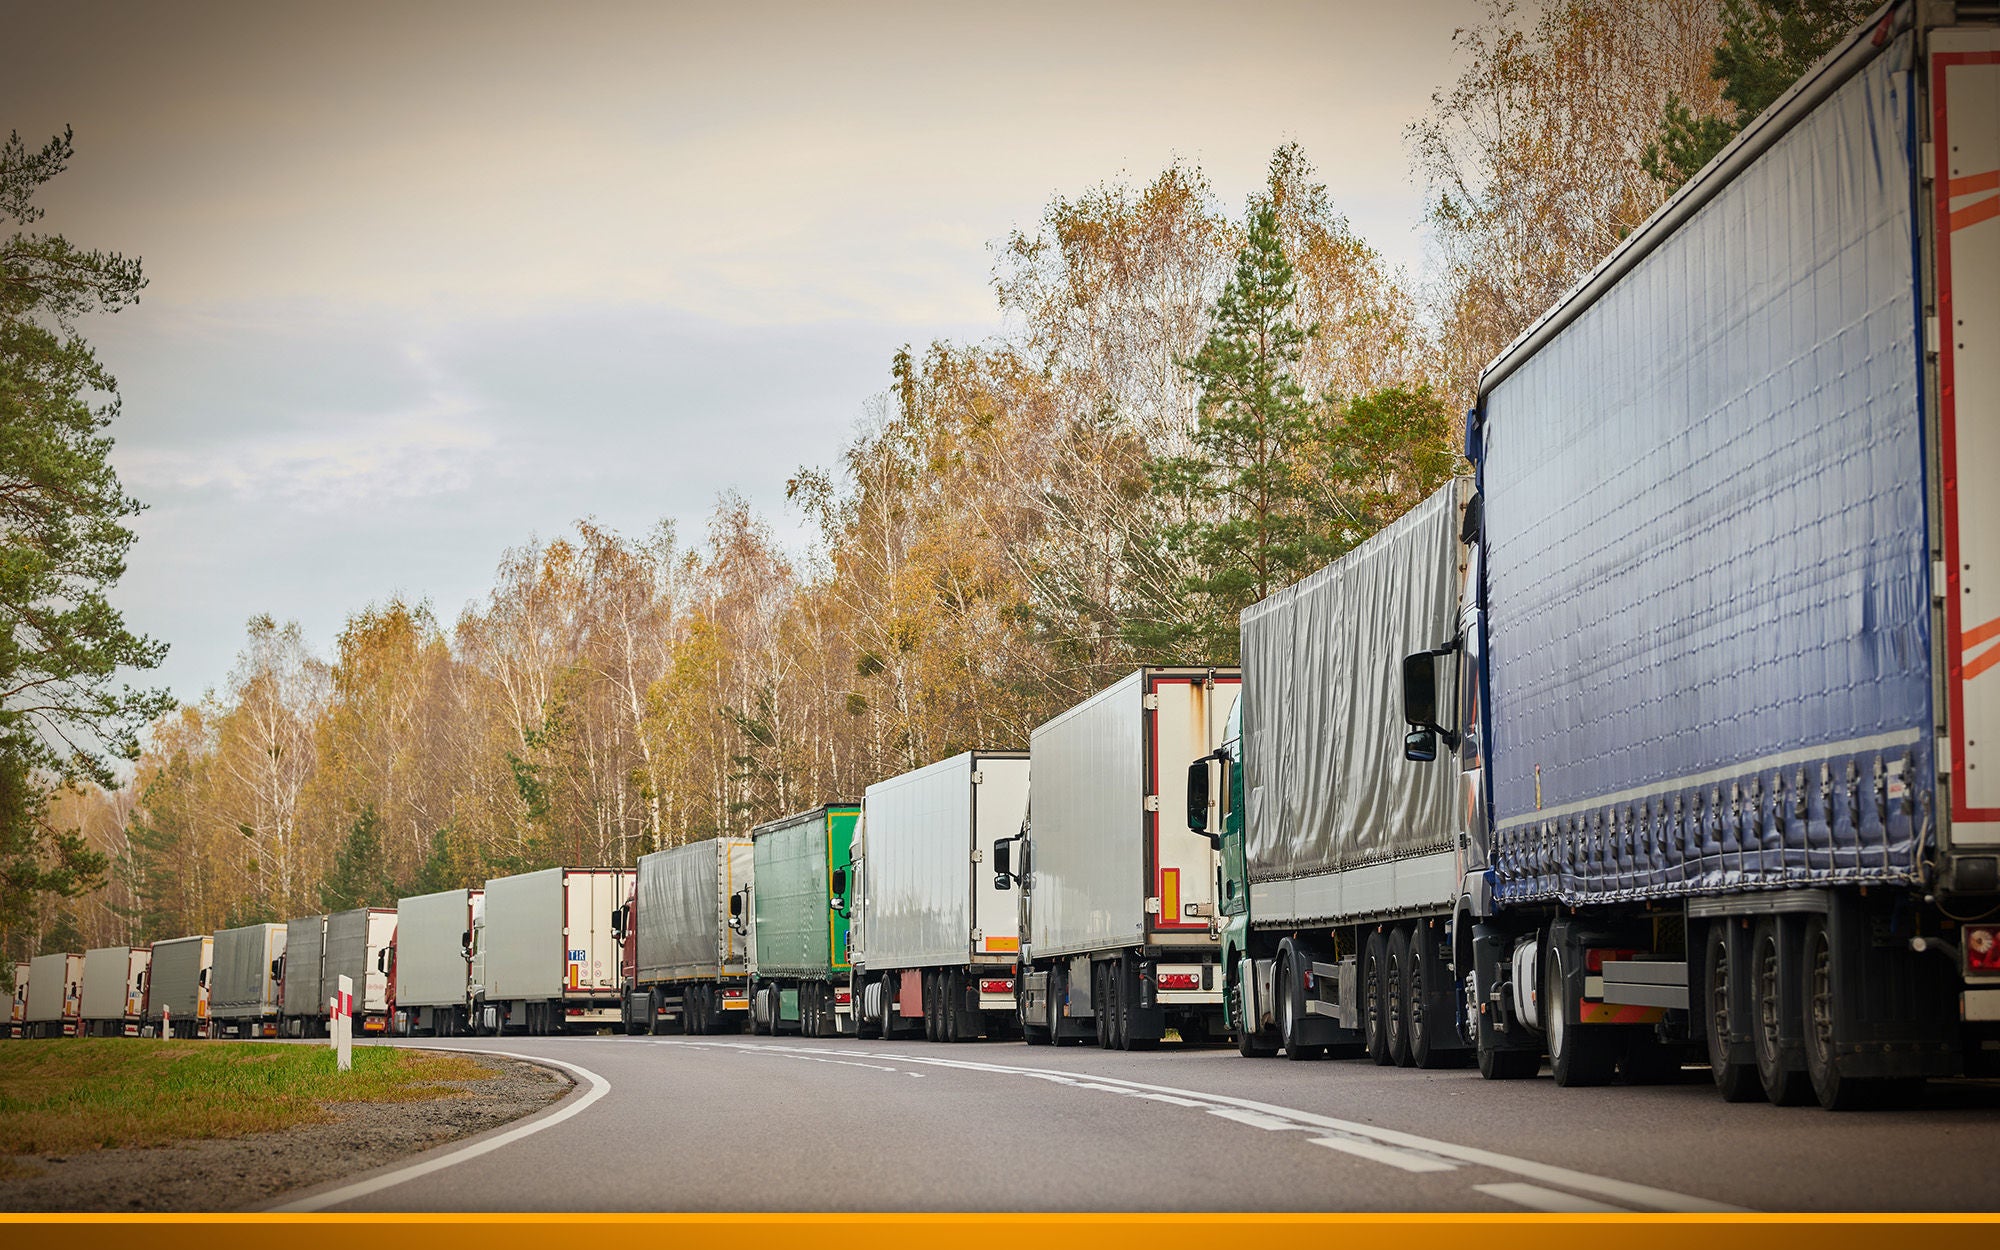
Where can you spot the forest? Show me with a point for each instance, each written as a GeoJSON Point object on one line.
{"type": "Point", "coordinates": [1192, 404]}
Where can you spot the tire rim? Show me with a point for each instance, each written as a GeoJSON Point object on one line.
{"type": "Point", "coordinates": [1415, 1005]}
{"type": "Point", "coordinates": [1286, 1029]}
{"type": "Point", "coordinates": [1394, 1006]}
{"type": "Point", "coordinates": [1553, 1007]}
{"type": "Point", "coordinates": [1371, 1000]}
{"type": "Point", "coordinates": [1821, 1035]}
{"type": "Point", "coordinates": [1767, 994]}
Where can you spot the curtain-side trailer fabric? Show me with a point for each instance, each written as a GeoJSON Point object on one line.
{"type": "Point", "coordinates": [1707, 569]}
{"type": "Point", "coordinates": [1325, 784]}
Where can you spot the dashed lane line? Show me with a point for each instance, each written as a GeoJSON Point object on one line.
{"type": "Point", "coordinates": [1348, 1132]}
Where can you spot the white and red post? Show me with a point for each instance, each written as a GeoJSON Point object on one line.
{"type": "Point", "coordinates": [342, 1030]}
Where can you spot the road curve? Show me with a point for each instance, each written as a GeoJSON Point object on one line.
{"type": "Point", "coordinates": [787, 1124]}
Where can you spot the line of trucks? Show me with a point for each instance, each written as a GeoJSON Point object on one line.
{"type": "Point", "coordinates": [1656, 739]}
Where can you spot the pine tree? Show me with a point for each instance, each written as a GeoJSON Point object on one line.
{"type": "Point", "coordinates": [1766, 46]}
{"type": "Point", "coordinates": [62, 543]}
{"type": "Point", "coordinates": [360, 876]}
{"type": "Point", "coordinates": [1252, 520]}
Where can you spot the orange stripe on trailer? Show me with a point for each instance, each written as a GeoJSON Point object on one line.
{"type": "Point", "coordinates": [1003, 944]}
{"type": "Point", "coordinates": [1170, 895]}
{"type": "Point", "coordinates": [1618, 1013]}
{"type": "Point", "coordinates": [1980, 633]}
{"type": "Point", "coordinates": [1973, 214]}
{"type": "Point", "coordinates": [1975, 667]}
{"type": "Point", "coordinates": [1969, 183]}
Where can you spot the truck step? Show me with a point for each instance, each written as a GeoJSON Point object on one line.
{"type": "Point", "coordinates": [1645, 983]}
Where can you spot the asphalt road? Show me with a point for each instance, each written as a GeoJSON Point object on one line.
{"type": "Point", "coordinates": [741, 1123]}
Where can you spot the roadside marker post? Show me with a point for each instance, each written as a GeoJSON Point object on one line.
{"type": "Point", "coordinates": [166, 1021]}
{"type": "Point", "coordinates": [343, 1025]}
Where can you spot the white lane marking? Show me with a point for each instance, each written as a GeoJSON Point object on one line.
{"type": "Point", "coordinates": [1361, 1148]}
{"type": "Point", "coordinates": [1603, 1186]}
{"type": "Point", "coordinates": [1535, 1198]}
{"type": "Point", "coordinates": [599, 1087]}
{"type": "Point", "coordinates": [1255, 1119]}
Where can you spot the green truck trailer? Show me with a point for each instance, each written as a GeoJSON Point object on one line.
{"type": "Point", "coordinates": [797, 914]}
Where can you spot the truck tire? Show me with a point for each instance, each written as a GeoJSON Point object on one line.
{"type": "Point", "coordinates": [1579, 1054]}
{"type": "Point", "coordinates": [1374, 1024]}
{"type": "Point", "coordinates": [955, 1029]}
{"type": "Point", "coordinates": [1034, 1034]}
{"type": "Point", "coordinates": [1424, 973]}
{"type": "Point", "coordinates": [1835, 1090]}
{"type": "Point", "coordinates": [1395, 1000]}
{"type": "Point", "coordinates": [1248, 1042]}
{"type": "Point", "coordinates": [1784, 1084]}
{"type": "Point", "coordinates": [1116, 1008]}
{"type": "Point", "coordinates": [1722, 991]}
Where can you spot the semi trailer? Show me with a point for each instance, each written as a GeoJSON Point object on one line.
{"type": "Point", "coordinates": [18, 1015]}
{"type": "Point", "coordinates": [1119, 933]}
{"type": "Point", "coordinates": [114, 990]}
{"type": "Point", "coordinates": [1721, 694]}
{"type": "Point", "coordinates": [934, 939]}
{"type": "Point", "coordinates": [549, 956]}
{"type": "Point", "coordinates": [1341, 872]}
{"type": "Point", "coordinates": [177, 986]}
{"type": "Point", "coordinates": [305, 999]}
{"type": "Point", "coordinates": [245, 998]}
{"type": "Point", "coordinates": [798, 911]}
{"type": "Point", "coordinates": [361, 946]}
{"type": "Point", "coordinates": [683, 962]}
{"type": "Point", "coordinates": [433, 961]}
{"type": "Point", "coordinates": [55, 996]}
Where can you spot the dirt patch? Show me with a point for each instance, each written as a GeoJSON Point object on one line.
{"type": "Point", "coordinates": [253, 1171]}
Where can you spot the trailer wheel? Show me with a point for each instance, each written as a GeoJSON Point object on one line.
{"type": "Point", "coordinates": [1116, 1008]}
{"type": "Point", "coordinates": [1722, 991]}
{"type": "Point", "coordinates": [1422, 974]}
{"type": "Point", "coordinates": [1057, 986]}
{"type": "Point", "coordinates": [1579, 1054]}
{"type": "Point", "coordinates": [1395, 999]}
{"type": "Point", "coordinates": [1247, 1043]}
{"type": "Point", "coordinates": [1784, 1084]}
{"type": "Point", "coordinates": [1374, 1025]}
{"type": "Point", "coordinates": [1835, 1090]}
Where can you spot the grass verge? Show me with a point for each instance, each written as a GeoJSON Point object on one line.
{"type": "Point", "coordinates": [69, 1095]}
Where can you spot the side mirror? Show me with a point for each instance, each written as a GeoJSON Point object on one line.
{"type": "Point", "coordinates": [382, 960]}
{"type": "Point", "coordinates": [1420, 746]}
{"type": "Point", "coordinates": [840, 883]}
{"type": "Point", "coordinates": [1420, 688]}
{"type": "Point", "coordinates": [1003, 863]}
{"type": "Point", "coordinates": [278, 967]}
{"type": "Point", "coordinates": [736, 906]}
{"type": "Point", "coordinates": [1197, 795]}
{"type": "Point", "coordinates": [465, 940]}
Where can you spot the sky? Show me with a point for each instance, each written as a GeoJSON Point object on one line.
{"type": "Point", "coordinates": [429, 280]}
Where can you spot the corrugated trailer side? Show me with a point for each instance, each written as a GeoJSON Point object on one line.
{"type": "Point", "coordinates": [359, 942]}
{"type": "Point", "coordinates": [798, 934]}
{"type": "Point", "coordinates": [243, 988]}
{"type": "Point", "coordinates": [432, 931]}
{"type": "Point", "coordinates": [114, 990]}
{"type": "Point", "coordinates": [306, 996]}
{"type": "Point", "coordinates": [55, 995]}
{"type": "Point", "coordinates": [1119, 937]}
{"type": "Point", "coordinates": [935, 939]}
{"type": "Point", "coordinates": [178, 983]}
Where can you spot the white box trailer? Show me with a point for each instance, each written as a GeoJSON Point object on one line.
{"type": "Point", "coordinates": [178, 982]}
{"type": "Point", "coordinates": [683, 962]}
{"type": "Point", "coordinates": [114, 990]}
{"type": "Point", "coordinates": [1118, 930]}
{"type": "Point", "coordinates": [18, 1015]}
{"type": "Point", "coordinates": [934, 937]}
{"type": "Point", "coordinates": [433, 971]}
{"type": "Point", "coordinates": [244, 991]}
{"type": "Point", "coordinates": [55, 996]}
{"type": "Point", "coordinates": [551, 957]}
{"type": "Point", "coordinates": [359, 945]}
{"type": "Point", "coordinates": [304, 991]}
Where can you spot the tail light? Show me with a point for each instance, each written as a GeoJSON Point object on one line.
{"type": "Point", "coordinates": [1593, 960]}
{"type": "Point", "coordinates": [1179, 981]}
{"type": "Point", "coordinates": [996, 987]}
{"type": "Point", "coordinates": [1982, 948]}
{"type": "Point", "coordinates": [734, 996]}
{"type": "Point", "coordinates": [842, 997]}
